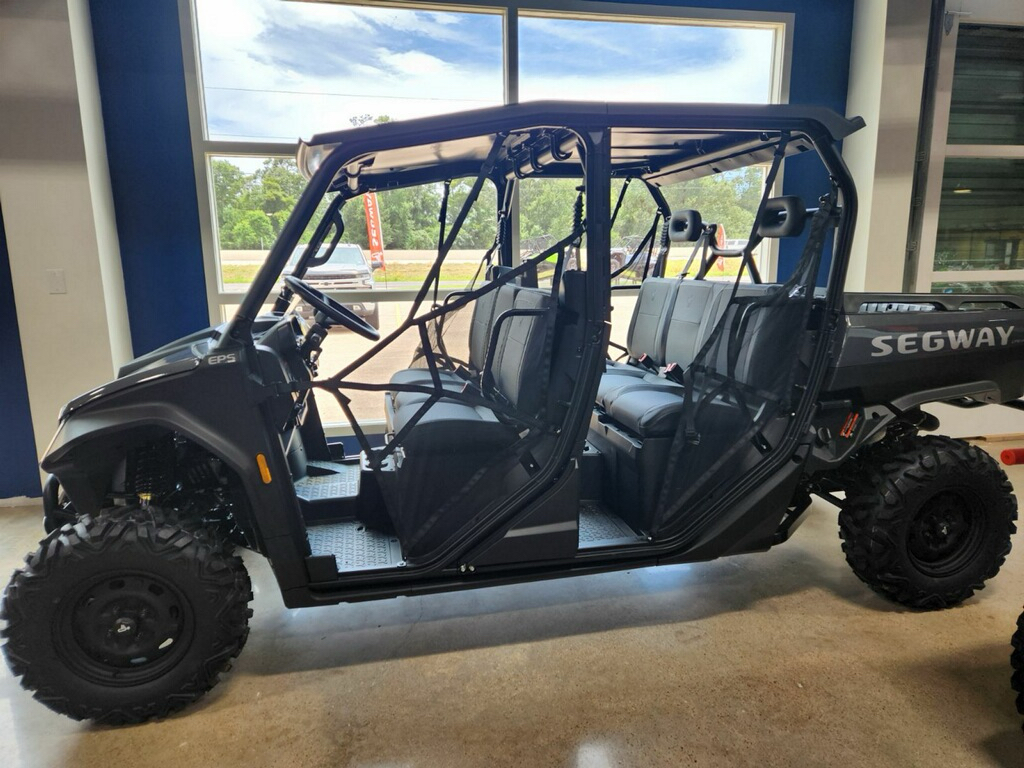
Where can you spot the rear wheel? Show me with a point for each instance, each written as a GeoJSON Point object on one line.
{"type": "Point", "coordinates": [927, 521]}
{"type": "Point", "coordinates": [120, 619]}
{"type": "Point", "coordinates": [1018, 664]}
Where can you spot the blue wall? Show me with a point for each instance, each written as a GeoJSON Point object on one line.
{"type": "Point", "coordinates": [138, 55]}
{"type": "Point", "coordinates": [18, 473]}
{"type": "Point", "coordinates": [145, 116]}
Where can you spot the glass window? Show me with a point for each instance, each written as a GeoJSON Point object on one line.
{"type": "Point", "coordinates": [981, 215]}
{"type": "Point", "coordinates": [585, 59]}
{"type": "Point", "coordinates": [728, 199]}
{"type": "Point", "coordinates": [271, 71]}
{"type": "Point", "coordinates": [253, 197]}
{"type": "Point", "coordinates": [987, 104]}
{"type": "Point", "coordinates": [1015, 287]}
{"type": "Point", "coordinates": [275, 70]}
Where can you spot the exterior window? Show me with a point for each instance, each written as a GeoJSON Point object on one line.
{"type": "Point", "coordinates": [981, 222]}
{"type": "Point", "coordinates": [988, 86]}
{"type": "Point", "coordinates": [266, 72]}
{"type": "Point", "coordinates": [645, 61]}
{"type": "Point", "coordinates": [275, 71]}
{"type": "Point", "coordinates": [973, 224]}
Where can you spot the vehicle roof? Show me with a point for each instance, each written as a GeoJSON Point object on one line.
{"type": "Point", "coordinates": [660, 143]}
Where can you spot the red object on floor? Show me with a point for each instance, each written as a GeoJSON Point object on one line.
{"type": "Point", "coordinates": [1012, 456]}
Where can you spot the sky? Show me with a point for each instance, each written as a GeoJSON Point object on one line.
{"type": "Point", "coordinates": [279, 71]}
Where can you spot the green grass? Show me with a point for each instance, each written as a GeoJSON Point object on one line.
{"type": "Point", "coordinates": [396, 273]}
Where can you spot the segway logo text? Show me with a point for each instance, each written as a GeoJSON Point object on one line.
{"type": "Point", "coordinates": [936, 341]}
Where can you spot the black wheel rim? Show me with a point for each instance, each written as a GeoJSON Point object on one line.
{"type": "Point", "coordinates": [946, 534]}
{"type": "Point", "coordinates": [125, 628]}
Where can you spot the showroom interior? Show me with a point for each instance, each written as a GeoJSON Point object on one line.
{"type": "Point", "coordinates": [148, 164]}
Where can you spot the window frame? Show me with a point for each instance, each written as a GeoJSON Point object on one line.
{"type": "Point", "coordinates": [940, 150]}
{"type": "Point", "coordinates": [205, 149]}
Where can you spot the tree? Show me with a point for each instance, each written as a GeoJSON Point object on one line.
{"type": "Point", "coordinates": [249, 230]}
{"type": "Point", "coordinates": [228, 182]}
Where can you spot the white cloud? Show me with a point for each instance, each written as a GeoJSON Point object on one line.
{"type": "Point", "coordinates": [415, 63]}
{"type": "Point", "coordinates": [253, 55]}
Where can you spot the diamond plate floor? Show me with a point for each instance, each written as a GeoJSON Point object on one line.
{"type": "Point", "coordinates": [601, 528]}
{"type": "Point", "coordinates": [355, 547]}
{"type": "Point", "coordinates": [341, 483]}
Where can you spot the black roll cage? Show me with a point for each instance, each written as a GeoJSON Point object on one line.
{"type": "Point", "coordinates": [753, 129]}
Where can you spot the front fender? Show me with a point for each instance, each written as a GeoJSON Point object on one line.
{"type": "Point", "coordinates": [215, 407]}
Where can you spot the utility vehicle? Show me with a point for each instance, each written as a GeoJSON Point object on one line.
{"type": "Point", "coordinates": [514, 448]}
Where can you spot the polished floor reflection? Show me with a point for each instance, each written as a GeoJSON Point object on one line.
{"type": "Point", "coordinates": [775, 659]}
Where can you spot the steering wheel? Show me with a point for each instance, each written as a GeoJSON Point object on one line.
{"type": "Point", "coordinates": [334, 311]}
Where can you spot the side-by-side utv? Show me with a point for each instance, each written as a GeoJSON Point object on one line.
{"type": "Point", "coordinates": [519, 444]}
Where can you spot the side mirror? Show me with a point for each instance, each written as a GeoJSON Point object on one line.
{"type": "Point", "coordinates": [376, 263]}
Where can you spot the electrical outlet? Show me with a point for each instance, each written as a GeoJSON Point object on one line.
{"type": "Point", "coordinates": [55, 281]}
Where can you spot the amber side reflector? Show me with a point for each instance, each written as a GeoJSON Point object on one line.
{"type": "Point", "coordinates": [261, 462]}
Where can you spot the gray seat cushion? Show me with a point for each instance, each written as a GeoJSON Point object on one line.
{"type": "Point", "coordinates": [452, 427]}
{"type": "Point", "coordinates": [649, 412]}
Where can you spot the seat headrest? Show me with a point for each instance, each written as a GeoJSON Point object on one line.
{"type": "Point", "coordinates": [497, 270]}
{"type": "Point", "coordinates": [685, 227]}
{"type": "Point", "coordinates": [783, 217]}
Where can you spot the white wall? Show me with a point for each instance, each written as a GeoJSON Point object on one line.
{"type": "Point", "coordinates": [58, 211]}
{"type": "Point", "coordinates": [889, 47]}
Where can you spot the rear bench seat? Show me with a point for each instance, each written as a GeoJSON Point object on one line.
{"type": "Point", "coordinates": [636, 420]}
{"type": "Point", "coordinates": [648, 328]}
{"type": "Point", "coordinates": [651, 406]}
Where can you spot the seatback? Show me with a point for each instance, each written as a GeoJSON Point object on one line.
{"type": "Point", "coordinates": [520, 364]}
{"type": "Point", "coordinates": [767, 334]}
{"type": "Point", "coordinates": [485, 309]}
{"type": "Point", "coordinates": [567, 346]}
{"type": "Point", "coordinates": [648, 324]}
{"type": "Point", "coordinates": [480, 329]}
{"type": "Point", "coordinates": [690, 320]}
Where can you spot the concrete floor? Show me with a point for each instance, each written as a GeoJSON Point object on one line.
{"type": "Point", "coordinates": [779, 659]}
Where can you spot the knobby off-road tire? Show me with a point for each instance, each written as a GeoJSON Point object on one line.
{"type": "Point", "coordinates": [119, 619]}
{"type": "Point", "coordinates": [927, 521]}
{"type": "Point", "coordinates": [1017, 660]}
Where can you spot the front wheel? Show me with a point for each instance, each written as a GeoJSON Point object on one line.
{"type": "Point", "coordinates": [927, 522]}
{"type": "Point", "coordinates": [120, 619]}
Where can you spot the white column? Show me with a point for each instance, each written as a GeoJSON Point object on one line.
{"type": "Point", "coordinates": [889, 46]}
{"type": "Point", "coordinates": [57, 205]}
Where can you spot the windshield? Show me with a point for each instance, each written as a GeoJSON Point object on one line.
{"type": "Point", "coordinates": [344, 255]}
{"type": "Point", "coordinates": [347, 255]}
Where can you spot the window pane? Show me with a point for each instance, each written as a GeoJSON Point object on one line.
{"type": "Point", "coordinates": [988, 86]}
{"type": "Point", "coordinates": [276, 70]}
{"type": "Point", "coordinates": [730, 200]}
{"type": "Point", "coordinates": [981, 215]}
{"type": "Point", "coordinates": [409, 229]}
{"type": "Point", "coordinates": [1012, 286]}
{"type": "Point", "coordinates": [584, 59]}
{"type": "Point", "coordinates": [253, 197]}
